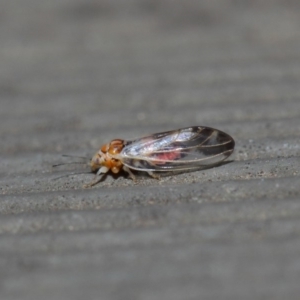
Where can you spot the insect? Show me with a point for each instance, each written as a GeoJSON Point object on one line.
{"type": "Point", "coordinates": [176, 150]}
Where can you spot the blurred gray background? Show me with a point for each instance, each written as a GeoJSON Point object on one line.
{"type": "Point", "coordinates": [75, 74]}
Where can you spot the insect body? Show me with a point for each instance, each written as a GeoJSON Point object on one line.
{"type": "Point", "coordinates": [177, 150]}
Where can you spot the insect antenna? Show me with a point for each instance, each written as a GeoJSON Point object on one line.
{"type": "Point", "coordinates": [75, 156]}
{"type": "Point", "coordinates": [67, 175]}
{"type": "Point", "coordinates": [85, 162]}
{"type": "Point", "coordinates": [73, 162]}
{"type": "Point", "coordinates": [70, 163]}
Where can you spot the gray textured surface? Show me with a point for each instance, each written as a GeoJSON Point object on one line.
{"type": "Point", "coordinates": [75, 74]}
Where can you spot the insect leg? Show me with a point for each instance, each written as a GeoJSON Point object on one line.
{"type": "Point", "coordinates": [154, 175]}
{"type": "Point", "coordinates": [131, 175]}
{"type": "Point", "coordinates": [103, 170]}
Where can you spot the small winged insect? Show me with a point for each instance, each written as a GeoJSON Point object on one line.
{"type": "Point", "coordinates": [184, 149]}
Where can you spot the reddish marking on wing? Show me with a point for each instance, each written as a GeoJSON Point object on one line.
{"type": "Point", "coordinates": [163, 157]}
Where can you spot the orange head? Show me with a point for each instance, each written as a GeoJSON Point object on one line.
{"type": "Point", "coordinates": [106, 157]}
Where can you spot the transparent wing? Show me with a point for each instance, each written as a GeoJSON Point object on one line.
{"type": "Point", "coordinates": [182, 149]}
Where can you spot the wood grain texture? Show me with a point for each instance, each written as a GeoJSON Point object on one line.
{"type": "Point", "coordinates": [76, 74]}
